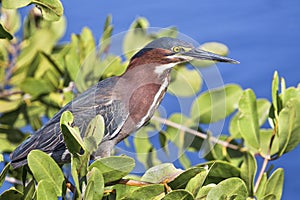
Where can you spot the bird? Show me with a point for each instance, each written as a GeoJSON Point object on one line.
{"type": "Point", "coordinates": [126, 102]}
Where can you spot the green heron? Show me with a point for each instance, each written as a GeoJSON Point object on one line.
{"type": "Point", "coordinates": [126, 102]}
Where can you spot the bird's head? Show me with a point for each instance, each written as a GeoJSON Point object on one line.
{"type": "Point", "coordinates": [167, 52]}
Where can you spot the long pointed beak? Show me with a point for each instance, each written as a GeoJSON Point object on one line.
{"type": "Point", "coordinates": [205, 55]}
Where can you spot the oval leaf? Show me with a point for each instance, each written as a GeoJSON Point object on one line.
{"type": "Point", "coordinates": [155, 191]}
{"type": "Point", "coordinates": [248, 171]}
{"type": "Point", "coordinates": [95, 185]}
{"type": "Point", "coordinates": [44, 167]}
{"type": "Point", "coordinates": [248, 120]}
{"type": "Point", "coordinates": [214, 105]}
{"type": "Point", "coordinates": [275, 183]}
{"type": "Point", "coordinates": [46, 190]}
{"type": "Point", "coordinates": [52, 10]}
{"type": "Point", "coordinates": [160, 173]}
{"type": "Point", "coordinates": [182, 180]}
{"type": "Point", "coordinates": [186, 82]}
{"type": "Point", "coordinates": [114, 167]}
{"type": "Point", "coordinates": [15, 4]}
{"type": "Point", "coordinates": [3, 174]}
{"type": "Point", "coordinates": [179, 195]}
{"type": "Point", "coordinates": [229, 189]}
{"type": "Point", "coordinates": [11, 194]}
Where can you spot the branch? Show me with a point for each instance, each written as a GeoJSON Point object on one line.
{"type": "Point", "coordinates": [198, 134]}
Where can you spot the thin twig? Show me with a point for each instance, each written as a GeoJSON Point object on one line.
{"type": "Point", "coordinates": [261, 173]}
{"type": "Point", "coordinates": [198, 134]}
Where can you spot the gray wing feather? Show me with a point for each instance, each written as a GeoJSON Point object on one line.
{"type": "Point", "coordinates": [94, 101]}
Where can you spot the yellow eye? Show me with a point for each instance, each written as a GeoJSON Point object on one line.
{"type": "Point", "coordinates": [176, 49]}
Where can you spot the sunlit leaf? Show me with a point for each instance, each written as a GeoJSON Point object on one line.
{"type": "Point", "coordinates": [95, 185]}
{"type": "Point", "coordinates": [260, 193]}
{"type": "Point", "coordinates": [52, 10]}
{"type": "Point", "coordinates": [248, 120]}
{"type": "Point", "coordinates": [45, 168]}
{"type": "Point", "coordinates": [3, 173]}
{"type": "Point", "coordinates": [179, 195]}
{"type": "Point", "coordinates": [136, 37]}
{"type": "Point", "coordinates": [94, 133]}
{"type": "Point", "coordinates": [286, 122]}
{"type": "Point", "coordinates": [275, 183]}
{"type": "Point", "coordinates": [71, 134]}
{"type": "Point", "coordinates": [229, 189]}
{"type": "Point", "coordinates": [265, 139]}
{"type": "Point", "coordinates": [35, 87]}
{"type": "Point", "coordinates": [275, 93]}
{"type": "Point", "coordinates": [46, 190]}
{"type": "Point", "coordinates": [182, 180]}
{"type": "Point", "coordinates": [214, 105]}
{"type": "Point", "coordinates": [29, 191]}
{"type": "Point", "coordinates": [196, 182]}
{"type": "Point", "coordinates": [154, 191]}
{"type": "Point", "coordinates": [160, 173]}
{"type": "Point", "coordinates": [186, 82]}
{"type": "Point", "coordinates": [11, 193]}
{"type": "Point", "coordinates": [15, 4]}
{"type": "Point", "coordinates": [220, 170]}
{"type": "Point", "coordinates": [114, 167]}
{"type": "Point", "coordinates": [204, 191]}
{"type": "Point", "coordinates": [248, 172]}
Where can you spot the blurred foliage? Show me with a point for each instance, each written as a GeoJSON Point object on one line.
{"type": "Point", "coordinates": [39, 75]}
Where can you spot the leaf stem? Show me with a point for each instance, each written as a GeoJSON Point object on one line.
{"type": "Point", "coordinates": [198, 134]}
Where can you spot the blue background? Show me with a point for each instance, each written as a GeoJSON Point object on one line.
{"type": "Point", "coordinates": [264, 35]}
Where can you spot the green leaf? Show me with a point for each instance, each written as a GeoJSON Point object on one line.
{"type": "Point", "coordinates": [4, 34]}
{"type": "Point", "coordinates": [179, 195]}
{"type": "Point", "coordinates": [214, 105]}
{"type": "Point", "coordinates": [260, 193]}
{"type": "Point", "coordinates": [9, 105]}
{"type": "Point", "coordinates": [35, 87]}
{"type": "Point", "coordinates": [136, 37]}
{"type": "Point", "coordinates": [12, 19]}
{"type": "Point", "coordinates": [265, 139]}
{"type": "Point", "coordinates": [3, 174]}
{"type": "Point", "coordinates": [52, 10]}
{"type": "Point", "coordinates": [94, 133]}
{"type": "Point", "coordinates": [44, 167]}
{"type": "Point", "coordinates": [275, 88]}
{"type": "Point", "coordinates": [231, 188]}
{"type": "Point", "coordinates": [46, 190]}
{"type": "Point", "coordinates": [15, 4]}
{"type": "Point", "coordinates": [182, 180]}
{"type": "Point", "coordinates": [160, 173]}
{"type": "Point", "coordinates": [248, 120]}
{"type": "Point", "coordinates": [248, 172]}
{"type": "Point", "coordinates": [71, 135]}
{"type": "Point", "coordinates": [204, 191]}
{"type": "Point", "coordinates": [263, 108]}
{"type": "Point", "coordinates": [220, 170]}
{"type": "Point", "coordinates": [114, 167]}
{"type": "Point", "coordinates": [289, 126]}
{"type": "Point", "coordinates": [155, 191]}
{"type": "Point", "coordinates": [186, 82]}
{"type": "Point", "coordinates": [105, 39]}
{"type": "Point", "coordinates": [29, 191]}
{"type": "Point", "coordinates": [275, 183]}
{"type": "Point", "coordinates": [196, 182]}
{"type": "Point", "coordinates": [11, 193]}
{"type": "Point", "coordinates": [1, 158]}
{"type": "Point", "coordinates": [95, 185]}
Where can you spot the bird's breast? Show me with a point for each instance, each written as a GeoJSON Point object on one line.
{"type": "Point", "coordinates": [144, 100]}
